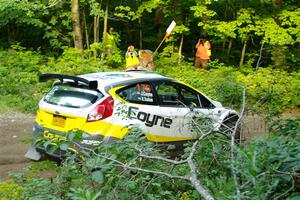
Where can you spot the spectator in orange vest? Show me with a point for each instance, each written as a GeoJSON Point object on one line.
{"type": "Point", "coordinates": [203, 53]}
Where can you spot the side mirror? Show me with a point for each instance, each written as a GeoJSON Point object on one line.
{"type": "Point", "coordinates": [217, 104]}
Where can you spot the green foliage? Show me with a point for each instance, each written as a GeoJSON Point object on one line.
{"type": "Point", "coordinates": [10, 190]}
{"type": "Point", "coordinates": [273, 33]}
{"type": "Point", "coordinates": [21, 12]}
{"type": "Point", "coordinates": [203, 13]}
{"type": "Point", "coordinates": [291, 21]}
{"type": "Point", "coordinates": [222, 30]}
{"type": "Point", "coordinates": [181, 29]}
{"type": "Point", "coordinates": [124, 12]}
{"type": "Point", "coordinates": [61, 21]}
{"type": "Point", "coordinates": [269, 91]}
{"type": "Point", "coordinates": [286, 127]}
{"type": "Point", "coordinates": [267, 169]}
{"type": "Point", "coordinates": [169, 55]}
{"type": "Point", "coordinates": [19, 69]}
{"type": "Point", "coordinates": [48, 25]}
{"type": "Point", "coordinates": [81, 194]}
{"type": "Point", "coordinates": [147, 6]}
{"type": "Point", "coordinates": [95, 9]}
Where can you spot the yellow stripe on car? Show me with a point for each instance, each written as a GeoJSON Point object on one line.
{"type": "Point", "coordinates": [160, 138]}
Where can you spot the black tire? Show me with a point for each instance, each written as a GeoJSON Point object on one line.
{"type": "Point", "coordinates": [228, 126]}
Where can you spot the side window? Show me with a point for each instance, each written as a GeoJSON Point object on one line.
{"type": "Point", "coordinates": [168, 94]}
{"type": "Point", "coordinates": [175, 94]}
{"type": "Point", "coordinates": [190, 98]}
{"type": "Point", "coordinates": [205, 103]}
{"type": "Point", "coordinates": [137, 93]}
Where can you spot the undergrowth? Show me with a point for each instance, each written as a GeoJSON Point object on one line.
{"type": "Point", "coordinates": [267, 169]}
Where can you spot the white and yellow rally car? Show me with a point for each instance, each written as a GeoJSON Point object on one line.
{"type": "Point", "coordinates": [104, 105]}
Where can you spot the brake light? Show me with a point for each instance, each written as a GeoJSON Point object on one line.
{"type": "Point", "coordinates": [102, 111]}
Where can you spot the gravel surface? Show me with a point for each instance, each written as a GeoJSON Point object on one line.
{"type": "Point", "coordinates": [14, 128]}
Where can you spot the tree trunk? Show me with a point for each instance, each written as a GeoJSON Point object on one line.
{"type": "Point", "coordinates": [104, 27]}
{"type": "Point", "coordinates": [277, 4]}
{"type": "Point", "coordinates": [243, 53]}
{"type": "Point", "coordinates": [8, 34]}
{"type": "Point", "coordinates": [105, 21]}
{"type": "Point", "coordinates": [87, 42]}
{"type": "Point", "coordinates": [223, 46]}
{"type": "Point", "coordinates": [141, 33]}
{"type": "Point", "coordinates": [96, 29]}
{"type": "Point", "coordinates": [279, 55]}
{"type": "Point", "coordinates": [278, 51]}
{"type": "Point", "coordinates": [11, 33]}
{"type": "Point", "coordinates": [229, 46]}
{"type": "Point", "coordinates": [180, 49]}
{"type": "Point", "coordinates": [76, 24]}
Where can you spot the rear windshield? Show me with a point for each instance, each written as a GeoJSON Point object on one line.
{"type": "Point", "coordinates": [73, 97]}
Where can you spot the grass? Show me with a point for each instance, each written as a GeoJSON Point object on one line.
{"type": "Point", "coordinates": [4, 105]}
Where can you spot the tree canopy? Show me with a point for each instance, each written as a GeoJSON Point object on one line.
{"type": "Point", "coordinates": [236, 29]}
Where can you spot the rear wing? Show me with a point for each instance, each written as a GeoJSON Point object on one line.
{"type": "Point", "coordinates": [75, 79]}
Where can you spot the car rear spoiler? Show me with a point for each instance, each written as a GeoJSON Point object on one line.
{"type": "Point", "coordinates": [62, 77]}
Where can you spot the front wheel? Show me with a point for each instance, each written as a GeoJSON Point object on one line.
{"type": "Point", "coordinates": [228, 126]}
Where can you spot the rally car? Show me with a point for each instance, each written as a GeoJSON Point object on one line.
{"type": "Point", "coordinates": [105, 105]}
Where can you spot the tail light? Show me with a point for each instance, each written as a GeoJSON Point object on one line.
{"type": "Point", "coordinates": [102, 111]}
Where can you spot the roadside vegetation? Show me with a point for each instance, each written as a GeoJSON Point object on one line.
{"type": "Point", "coordinates": [266, 168]}
{"type": "Point", "coordinates": [254, 68]}
{"type": "Point", "coordinates": [270, 91]}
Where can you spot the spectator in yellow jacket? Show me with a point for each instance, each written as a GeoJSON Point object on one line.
{"type": "Point", "coordinates": [131, 58]}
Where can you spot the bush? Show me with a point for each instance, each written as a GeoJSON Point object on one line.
{"type": "Point", "coordinates": [269, 168]}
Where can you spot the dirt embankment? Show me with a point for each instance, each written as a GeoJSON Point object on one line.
{"type": "Point", "coordinates": [14, 129]}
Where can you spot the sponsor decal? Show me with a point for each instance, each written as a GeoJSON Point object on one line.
{"type": "Point", "coordinates": [91, 142]}
{"type": "Point", "coordinates": [53, 137]}
{"type": "Point", "coordinates": [149, 119]}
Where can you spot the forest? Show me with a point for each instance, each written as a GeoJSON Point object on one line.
{"type": "Point", "coordinates": [236, 29]}
{"type": "Point", "coordinates": [253, 68]}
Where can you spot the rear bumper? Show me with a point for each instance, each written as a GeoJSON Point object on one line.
{"type": "Point", "coordinates": [39, 132]}
{"type": "Point", "coordinates": [82, 147]}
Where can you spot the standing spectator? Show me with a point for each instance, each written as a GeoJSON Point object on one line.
{"type": "Point", "coordinates": [203, 53]}
{"type": "Point", "coordinates": [132, 59]}
{"type": "Point", "coordinates": [109, 41]}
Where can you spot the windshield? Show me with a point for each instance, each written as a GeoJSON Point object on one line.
{"type": "Point", "coordinates": [73, 97]}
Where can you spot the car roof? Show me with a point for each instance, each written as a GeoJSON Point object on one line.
{"type": "Point", "coordinates": [112, 78]}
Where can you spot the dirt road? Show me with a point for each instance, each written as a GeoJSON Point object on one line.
{"type": "Point", "coordinates": [14, 128]}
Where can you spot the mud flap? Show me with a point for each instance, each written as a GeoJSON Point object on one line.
{"type": "Point", "coordinates": [33, 154]}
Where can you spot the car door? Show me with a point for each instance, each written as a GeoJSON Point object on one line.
{"type": "Point", "coordinates": [173, 109]}
{"type": "Point", "coordinates": [141, 108]}
{"type": "Point", "coordinates": [202, 119]}
{"type": "Point", "coordinates": [192, 112]}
